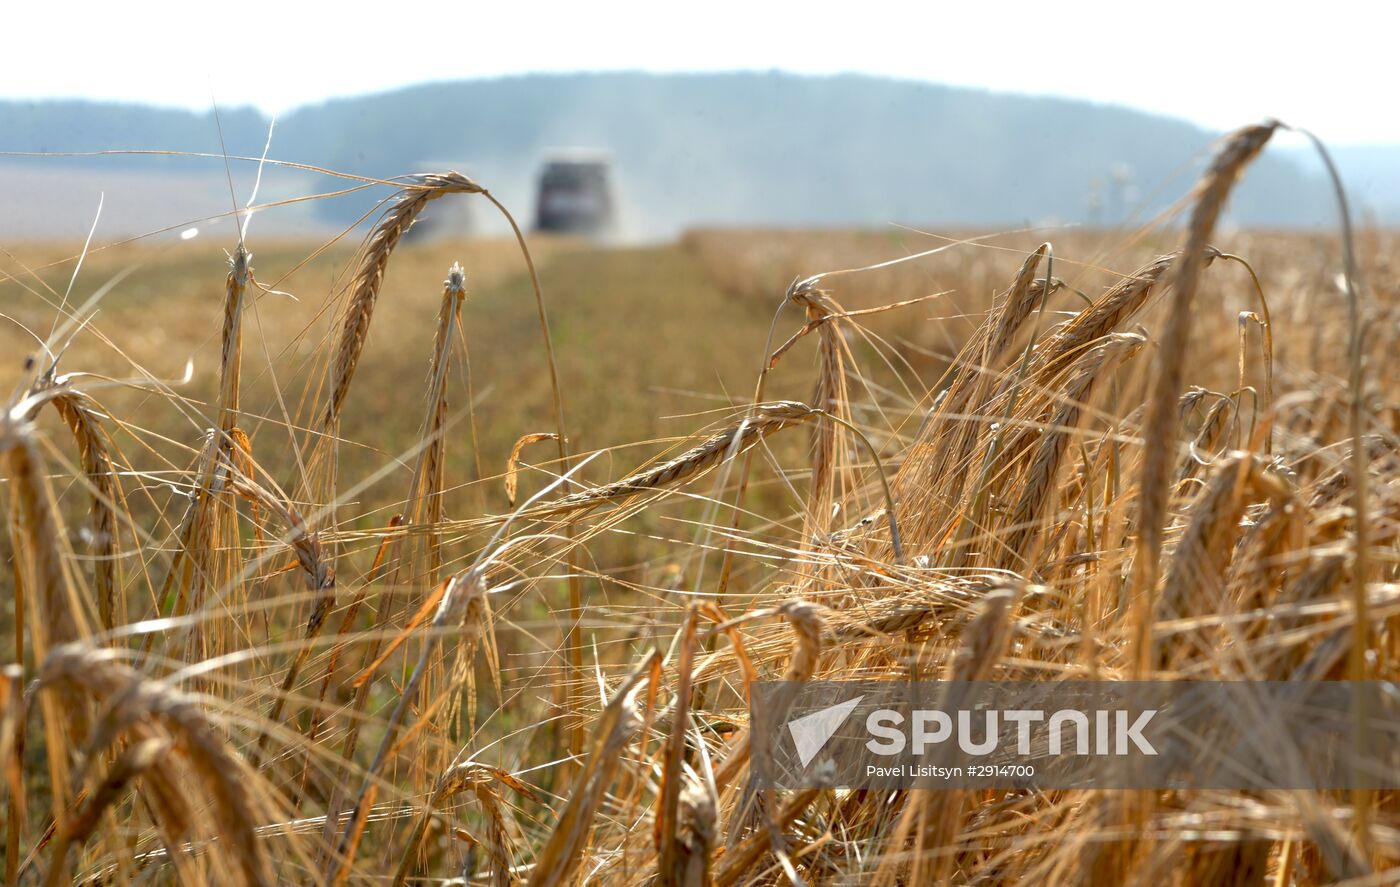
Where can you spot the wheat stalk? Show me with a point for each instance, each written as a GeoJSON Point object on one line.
{"type": "Point", "coordinates": [692, 840]}
{"type": "Point", "coordinates": [560, 856]}
{"type": "Point", "coordinates": [83, 417]}
{"type": "Point", "coordinates": [482, 781]}
{"type": "Point", "coordinates": [133, 762]}
{"type": "Point", "coordinates": [1161, 426]}
{"type": "Point", "coordinates": [831, 396]}
{"type": "Point", "coordinates": [1037, 491]}
{"type": "Point", "coordinates": [36, 532]}
{"type": "Point", "coordinates": [369, 275]}
{"type": "Point", "coordinates": [985, 641]}
{"type": "Point", "coordinates": [132, 698]}
{"type": "Point", "coordinates": [240, 272]}
{"type": "Point", "coordinates": [1108, 313]}
{"type": "Point", "coordinates": [319, 575]}
{"type": "Point", "coordinates": [1194, 576]}
{"type": "Point", "coordinates": [766, 420]}
{"type": "Point", "coordinates": [12, 717]}
{"type": "Point", "coordinates": [950, 432]}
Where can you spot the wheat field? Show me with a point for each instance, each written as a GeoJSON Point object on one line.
{"type": "Point", "coordinates": [385, 562]}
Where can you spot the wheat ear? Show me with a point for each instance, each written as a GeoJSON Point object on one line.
{"type": "Point", "coordinates": [692, 840]}
{"type": "Point", "coordinates": [1037, 492]}
{"type": "Point", "coordinates": [369, 276]}
{"type": "Point", "coordinates": [481, 780]}
{"type": "Point", "coordinates": [1193, 582]}
{"type": "Point", "coordinates": [320, 578]}
{"type": "Point", "coordinates": [425, 505]}
{"type": "Point", "coordinates": [36, 532]}
{"type": "Point", "coordinates": [830, 396]}
{"type": "Point", "coordinates": [1161, 425]}
{"type": "Point", "coordinates": [984, 642]}
{"type": "Point", "coordinates": [83, 417]}
{"type": "Point", "coordinates": [767, 419]}
{"type": "Point", "coordinates": [133, 698]}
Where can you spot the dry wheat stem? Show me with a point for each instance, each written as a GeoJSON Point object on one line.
{"type": "Point", "coordinates": [740, 860]}
{"type": "Point", "coordinates": [1107, 314]}
{"type": "Point", "coordinates": [457, 597]}
{"type": "Point", "coordinates": [668, 804]}
{"type": "Point", "coordinates": [481, 780]}
{"type": "Point", "coordinates": [12, 718]}
{"type": "Point", "coordinates": [692, 840]}
{"type": "Point", "coordinates": [58, 613]}
{"type": "Point", "coordinates": [945, 441]}
{"type": "Point", "coordinates": [133, 762]}
{"type": "Point", "coordinates": [830, 396]}
{"type": "Point", "coordinates": [559, 858]}
{"type": "Point", "coordinates": [1358, 667]}
{"type": "Point", "coordinates": [1194, 574]}
{"type": "Point", "coordinates": [1161, 427]}
{"type": "Point", "coordinates": [968, 387]}
{"type": "Point", "coordinates": [972, 518]}
{"type": "Point", "coordinates": [425, 504]}
{"type": "Point", "coordinates": [320, 578]}
{"type": "Point", "coordinates": [231, 357]}
{"type": "Point", "coordinates": [984, 642]}
{"type": "Point", "coordinates": [767, 419]}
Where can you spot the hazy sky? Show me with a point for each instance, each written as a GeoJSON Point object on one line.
{"type": "Point", "coordinates": [1327, 66]}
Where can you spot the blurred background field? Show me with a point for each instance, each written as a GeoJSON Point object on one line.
{"type": "Point", "coordinates": [653, 342]}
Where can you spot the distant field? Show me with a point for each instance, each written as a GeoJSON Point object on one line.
{"type": "Point", "coordinates": [653, 341]}
{"type": "Point", "coordinates": [40, 202]}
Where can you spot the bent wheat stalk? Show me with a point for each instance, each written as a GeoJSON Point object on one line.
{"type": "Point", "coordinates": [369, 277]}
{"type": "Point", "coordinates": [807, 624]}
{"type": "Point", "coordinates": [1194, 577]}
{"type": "Point", "coordinates": [766, 420]}
{"type": "Point", "coordinates": [83, 417]}
{"type": "Point", "coordinates": [320, 579]}
{"type": "Point", "coordinates": [130, 764]}
{"type": "Point", "coordinates": [481, 780]}
{"type": "Point", "coordinates": [133, 698]}
{"type": "Point", "coordinates": [1161, 426]}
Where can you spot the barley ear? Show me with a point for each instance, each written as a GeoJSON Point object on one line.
{"type": "Point", "coordinates": [1161, 425]}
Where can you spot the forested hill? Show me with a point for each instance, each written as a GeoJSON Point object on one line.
{"type": "Point", "coordinates": [704, 149]}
